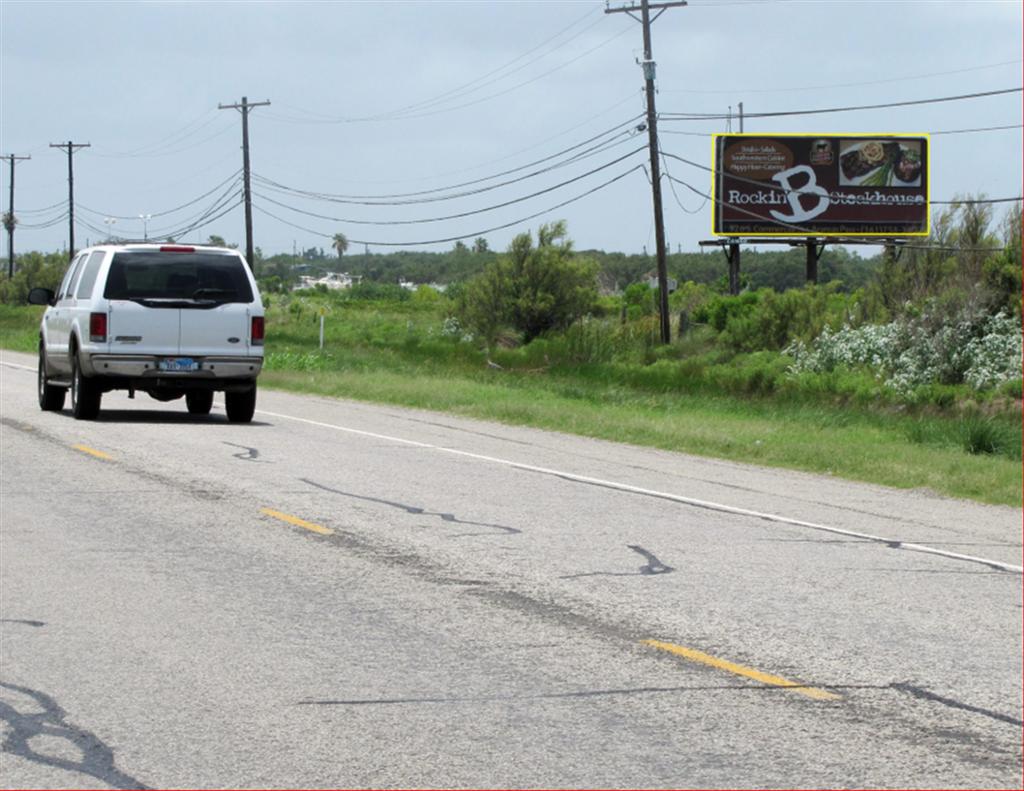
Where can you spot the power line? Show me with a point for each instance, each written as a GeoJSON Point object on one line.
{"type": "Point", "coordinates": [672, 187]}
{"type": "Point", "coordinates": [482, 81]}
{"type": "Point", "coordinates": [461, 236]}
{"type": "Point", "coordinates": [158, 148]}
{"type": "Point", "coordinates": [843, 84]}
{"type": "Point", "coordinates": [514, 154]}
{"type": "Point", "coordinates": [790, 191]}
{"type": "Point", "coordinates": [219, 202]}
{"type": "Point", "coordinates": [933, 134]}
{"type": "Point", "coordinates": [808, 231]}
{"type": "Point", "coordinates": [460, 215]}
{"type": "Point", "coordinates": [779, 114]}
{"type": "Point", "coordinates": [41, 225]}
{"type": "Point", "coordinates": [402, 115]}
{"type": "Point", "coordinates": [45, 209]}
{"type": "Point", "coordinates": [233, 176]}
{"type": "Point", "coordinates": [976, 129]}
{"type": "Point", "coordinates": [385, 200]}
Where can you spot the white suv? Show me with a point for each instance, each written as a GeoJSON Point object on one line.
{"type": "Point", "coordinates": [171, 320]}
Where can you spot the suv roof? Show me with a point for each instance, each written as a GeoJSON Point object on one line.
{"type": "Point", "coordinates": [142, 247]}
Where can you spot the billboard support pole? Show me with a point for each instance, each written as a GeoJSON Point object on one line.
{"type": "Point", "coordinates": [734, 268]}
{"type": "Point", "coordinates": [814, 252]}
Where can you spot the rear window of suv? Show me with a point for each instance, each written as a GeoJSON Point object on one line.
{"type": "Point", "coordinates": [179, 276]}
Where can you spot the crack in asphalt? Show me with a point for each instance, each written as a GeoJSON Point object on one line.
{"type": "Point", "coordinates": [412, 509]}
{"type": "Point", "coordinates": [587, 693]}
{"type": "Point", "coordinates": [908, 546]}
{"type": "Point", "coordinates": [653, 566]}
{"type": "Point", "coordinates": [97, 758]}
{"type": "Point", "coordinates": [251, 454]}
{"type": "Point", "coordinates": [924, 694]}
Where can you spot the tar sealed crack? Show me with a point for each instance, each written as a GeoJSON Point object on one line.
{"type": "Point", "coordinates": [652, 566]}
{"type": "Point", "coordinates": [412, 509]}
{"type": "Point", "coordinates": [250, 454]}
{"type": "Point", "coordinates": [923, 694]}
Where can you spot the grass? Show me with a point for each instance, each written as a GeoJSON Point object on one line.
{"type": "Point", "coordinates": [874, 448]}
{"type": "Point", "coordinates": [391, 354]}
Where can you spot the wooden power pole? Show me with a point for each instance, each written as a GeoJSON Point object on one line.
{"type": "Point", "coordinates": [10, 219]}
{"type": "Point", "coordinates": [70, 148]}
{"type": "Point", "coordinates": [244, 108]}
{"type": "Point", "coordinates": [645, 8]}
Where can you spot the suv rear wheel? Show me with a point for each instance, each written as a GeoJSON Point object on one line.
{"type": "Point", "coordinates": [85, 394]}
{"type": "Point", "coordinates": [199, 402]}
{"type": "Point", "coordinates": [241, 406]}
{"type": "Point", "coordinates": [51, 398]}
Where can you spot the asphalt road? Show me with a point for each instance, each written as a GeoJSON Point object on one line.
{"type": "Point", "coordinates": [350, 595]}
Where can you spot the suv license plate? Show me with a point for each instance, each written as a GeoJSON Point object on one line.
{"type": "Point", "coordinates": [178, 364]}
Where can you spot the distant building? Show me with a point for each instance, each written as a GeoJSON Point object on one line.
{"type": "Point", "coordinates": [335, 281]}
{"type": "Point", "coordinates": [652, 280]}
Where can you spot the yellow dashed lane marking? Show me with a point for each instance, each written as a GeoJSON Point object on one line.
{"type": "Point", "coordinates": [294, 520]}
{"type": "Point", "coordinates": [740, 670]}
{"type": "Point", "coordinates": [99, 454]}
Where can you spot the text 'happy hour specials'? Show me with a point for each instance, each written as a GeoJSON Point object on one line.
{"type": "Point", "coordinates": [820, 185]}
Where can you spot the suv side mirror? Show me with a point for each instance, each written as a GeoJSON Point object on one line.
{"type": "Point", "coordinates": [40, 296]}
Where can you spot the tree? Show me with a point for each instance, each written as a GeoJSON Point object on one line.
{"type": "Point", "coordinates": [340, 244]}
{"type": "Point", "coordinates": [480, 245]}
{"type": "Point", "coordinates": [532, 288]}
{"type": "Point", "coordinates": [1002, 272]}
{"type": "Point", "coordinates": [216, 241]}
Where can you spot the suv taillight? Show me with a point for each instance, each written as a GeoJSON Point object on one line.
{"type": "Point", "coordinates": [257, 331]}
{"type": "Point", "coordinates": [98, 327]}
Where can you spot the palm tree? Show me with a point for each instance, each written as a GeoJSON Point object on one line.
{"type": "Point", "coordinates": [340, 244]}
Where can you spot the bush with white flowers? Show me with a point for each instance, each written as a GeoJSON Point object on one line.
{"type": "Point", "coordinates": [981, 351]}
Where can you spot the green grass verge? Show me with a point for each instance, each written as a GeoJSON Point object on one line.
{"type": "Point", "coordinates": [382, 354]}
{"type": "Point", "coordinates": [864, 447]}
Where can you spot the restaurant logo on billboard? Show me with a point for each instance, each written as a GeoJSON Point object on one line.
{"type": "Point", "coordinates": [814, 185]}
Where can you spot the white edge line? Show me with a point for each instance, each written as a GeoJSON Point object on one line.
{"type": "Point", "coordinates": [625, 487]}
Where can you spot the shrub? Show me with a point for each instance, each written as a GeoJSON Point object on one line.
{"type": "Point", "coordinates": [533, 289]}
{"type": "Point", "coordinates": [32, 270]}
{"type": "Point", "coordinates": [777, 319]}
{"type": "Point", "coordinates": [978, 350]}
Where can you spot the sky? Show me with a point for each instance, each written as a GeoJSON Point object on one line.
{"type": "Point", "coordinates": [408, 125]}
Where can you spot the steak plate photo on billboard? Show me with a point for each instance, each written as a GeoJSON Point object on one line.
{"type": "Point", "coordinates": [820, 185]}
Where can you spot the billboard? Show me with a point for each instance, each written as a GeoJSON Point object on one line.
{"type": "Point", "coordinates": [820, 185]}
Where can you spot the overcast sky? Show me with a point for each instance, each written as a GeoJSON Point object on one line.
{"type": "Point", "coordinates": [378, 99]}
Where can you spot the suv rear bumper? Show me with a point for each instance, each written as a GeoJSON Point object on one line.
{"type": "Point", "coordinates": [143, 367]}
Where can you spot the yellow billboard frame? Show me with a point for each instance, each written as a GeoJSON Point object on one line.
{"type": "Point", "coordinates": [823, 234]}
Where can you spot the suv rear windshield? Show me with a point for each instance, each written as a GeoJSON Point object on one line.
{"type": "Point", "coordinates": [179, 276]}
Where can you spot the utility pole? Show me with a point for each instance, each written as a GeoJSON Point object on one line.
{"type": "Point", "coordinates": [71, 148]}
{"type": "Point", "coordinates": [741, 118]}
{"type": "Point", "coordinates": [652, 136]}
{"type": "Point", "coordinates": [10, 219]}
{"type": "Point", "coordinates": [244, 108]}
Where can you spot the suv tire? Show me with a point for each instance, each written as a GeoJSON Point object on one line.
{"type": "Point", "coordinates": [241, 406]}
{"type": "Point", "coordinates": [85, 394]}
{"type": "Point", "coordinates": [199, 402]}
{"type": "Point", "coordinates": [51, 398]}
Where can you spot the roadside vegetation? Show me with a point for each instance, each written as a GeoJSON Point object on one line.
{"type": "Point", "coordinates": [912, 379]}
